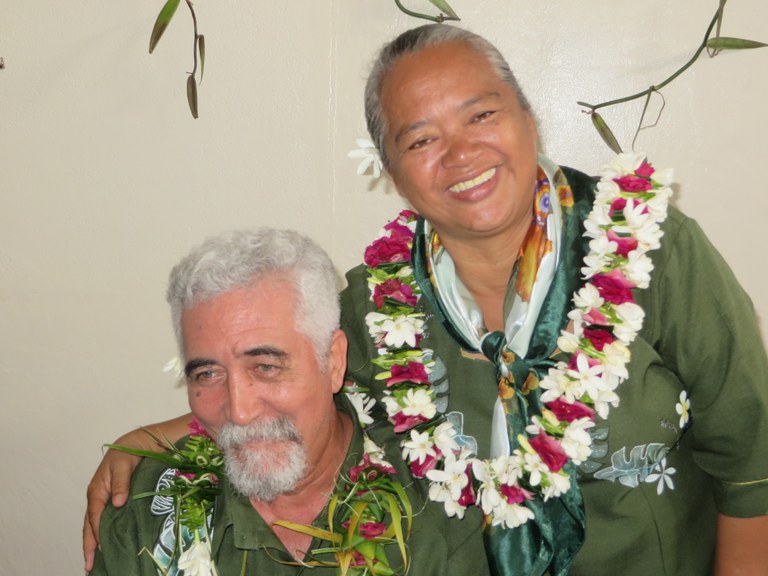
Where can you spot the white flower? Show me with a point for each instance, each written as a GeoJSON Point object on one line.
{"type": "Point", "coordinates": [576, 442]}
{"type": "Point", "coordinates": [418, 447]}
{"type": "Point", "coordinates": [557, 484]}
{"type": "Point", "coordinates": [557, 384]}
{"type": "Point", "coordinates": [175, 368]}
{"type": "Point", "coordinates": [443, 437]}
{"type": "Point", "coordinates": [617, 356]}
{"type": "Point", "coordinates": [513, 515]}
{"type": "Point", "coordinates": [638, 268]}
{"type": "Point", "coordinates": [631, 316]}
{"type": "Point", "coordinates": [664, 476]}
{"type": "Point", "coordinates": [588, 297]}
{"type": "Point", "coordinates": [453, 476]}
{"type": "Point", "coordinates": [374, 321]}
{"type": "Point", "coordinates": [590, 377]}
{"type": "Point", "coordinates": [369, 157]}
{"type": "Point", "coordinates": [196, 560]}
{"type": "Point", "coordinates": [535, 466]}
{"type": "Point", "coordinates": [402, 330]}
{"type": "Point", "coordinates": [684, 409]}
{"type": "Point", "coordinates": [363, 404]}
{"type": "Point", "coordinates": [418, 402]}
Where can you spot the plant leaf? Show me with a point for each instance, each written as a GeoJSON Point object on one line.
{"type": "Point", "coordinates": [201, 50]}
{"type": "Point", "coordinates": [443, 6]}
{"type": "Point", "coordinates": [605, 132]}
{"type": "Point", "coordinates": [163, 19]}
{"type": "Point", "coordinates": [725, 43]}
{"type": "Point", "coordinates": [192, 95]}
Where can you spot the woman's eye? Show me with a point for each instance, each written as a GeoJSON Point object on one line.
{"type": "Point", "coordinates": [420, 143]}
{"type": "Point", "coordinates": [483, 116]}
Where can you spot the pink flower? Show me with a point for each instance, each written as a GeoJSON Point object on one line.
{"type": "Point", "coordinates": [371, 470]}
{"type": "Point", "coordinates": [196, 429]}
{"type": "Point", "coordinates": [371, 530]}
{"type": "Point", "coordinates": [399, 229]}
{"type": "Point", "coordinates": [599, 337]}
{"type": "Point", "coordinates": [386, 251]}
{"type": "Point", "coordinates": [411, 372]}
{"type": "Point", "coordinates": [395, 290]}
{"type": "Point", "coordinates": [515, 494]}
{"type": "Point", "coordinates": [420, 470]}
{"type": "Point", "coordinates": [467, 496]}
{"type": "Point", "coordinates": [549, 450]}
{"type": "Point", "coordinates": [594, 316]}
{"type": "Point", "coordinates": [567, 412]}
{"type": "Point", "coordinates": [625, 244]}
{"type": "Point", "coordinates": [631, 183]}
{"type": "Point", "coordinates": [618, 205]}
{"type": "Point", "coordinates": [645, 170]}
{"type": "Point", "coordinates": [573, 362]}
{"type": "Point", "coordinates": [614, 287]}
{"type": "Point", "coordinates": [403, 422]}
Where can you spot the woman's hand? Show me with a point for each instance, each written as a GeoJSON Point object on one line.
{"type": "Point", "coordinates": [113, 476]}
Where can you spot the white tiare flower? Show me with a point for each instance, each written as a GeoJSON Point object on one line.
{"type": "Point", "coordinates": [513, 515]}
{"type": "Point", "coordinates": [402, 330]}
{"type": "Point", "coordinates": [663, 475]}
{"type": "Point", "coordinates": [444, 437]}
{"type": "Point", "coordinates": [558, 483]}
{"type": "Point", "coordinates": [631, 316]}
{"type": "Point", "coordinates": [369, 157]}
{"type": "Point", "coordinates": [363, 404]}
{"type": "Point", "coordinates": [638, 268]}
{"type": "Point", "coordinates": [683, 407]}
{"type": "Point", "coordinates": [418, 447]}
{"type": "Point", "coordinates": [453, 476]}
{"type": "Point", "coordinates": [418, 402]}
{"type": "Point", "coordinates": [196, 560]}
{"type": "Point", "coordinates": [576, 442]}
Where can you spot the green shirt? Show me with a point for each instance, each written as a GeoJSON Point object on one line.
{"type": "Point", "coordinates": [240, 536]}
{"type": "Point", "coordinates": [651, 492]}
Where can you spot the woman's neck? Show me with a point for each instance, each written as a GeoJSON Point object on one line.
{"type": "Point", "coordinates": [485, 266]}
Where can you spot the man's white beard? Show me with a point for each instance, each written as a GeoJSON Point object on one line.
{"type": "Point", "coordinates": [263, 474]}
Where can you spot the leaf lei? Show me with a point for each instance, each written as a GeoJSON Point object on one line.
{"type": "Point", "coordinates": [368, 510]}
{"type": "Point", "coordinates": [630, 203]}
{"type": "Point", "coordinates": [199, 465]}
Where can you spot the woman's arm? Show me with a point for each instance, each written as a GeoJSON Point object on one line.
{"type": "Point", "coordinates": [741, 546]}
{"type": "Point", "coordinates": [113, 476]}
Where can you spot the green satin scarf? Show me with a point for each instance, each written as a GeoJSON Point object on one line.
{"type": "Point", "coordinates": [547, 544]}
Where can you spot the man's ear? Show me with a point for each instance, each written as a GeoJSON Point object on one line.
{"type": "Point", "coordinates": [337, 360]}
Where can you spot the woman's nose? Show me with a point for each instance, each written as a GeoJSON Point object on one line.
{"type": "Point", "coordinates": [461, 150]}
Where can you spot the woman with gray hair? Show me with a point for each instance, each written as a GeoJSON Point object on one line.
{"type": "Point", "coordinates": [547, 356]}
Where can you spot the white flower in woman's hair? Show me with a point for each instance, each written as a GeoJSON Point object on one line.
{"type": "Point", "coordinates": [369, 157]}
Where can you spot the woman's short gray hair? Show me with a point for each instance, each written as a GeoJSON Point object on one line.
{"type": "Point", "coordinates": [412, 41]}
{"type": "Point", "coordinates": [235, 260]}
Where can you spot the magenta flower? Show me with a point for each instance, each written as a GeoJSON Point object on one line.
{"type": "Point", "coordinates": [371, 530]}
{"type": "Point", "coordinates": [645, 170]}
{"type": "Point", "coordinates": [631, 183]}
{"type": "Point", "coordinates": [398, 230]}
{"type": "Point", "coordinates": [515, 494]}
{"type": "Point", "coordinates": [371, 470]}
{"type": "Point", "coordinates": [411, 372]}
{"type": "Point", "coordinates": [567, 412]}
{"type": "Point", "coordinates": [614, 287]}
{"type": "Point", "coordinates": [386, 251]}
{"type": "Point", "coordinates": [549, 450]}
{"type": "Point", "coordinates": [467, 496]}
{"type": "Point", "coordinates": [617, 206]}
{"type": "Point", "coordinates": [420, 470]}
{"type": "Point", "coordinates": [599, 337]}
{"type": "Point", "coordinates": [196, 429]}
{"type": "Point", "coordinates": [395, 290]}
{"type": "Point", "coordinates": [403, 422]}
{"type": "Point", "coordinates": [625, 244]}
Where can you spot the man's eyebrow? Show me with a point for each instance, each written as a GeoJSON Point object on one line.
{"type": "Point", "coordinates": [266, 350]}
{"type": "Point", "coordinates": [196, 363]}
{"type": "Point", "coordinates": [463, 106]}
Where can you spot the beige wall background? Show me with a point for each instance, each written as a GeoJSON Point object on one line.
{"type": "Point", "coordinates": [106, 180]}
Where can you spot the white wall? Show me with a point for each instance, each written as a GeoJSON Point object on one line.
{"type": "Point", "coordinates": [106, 180]}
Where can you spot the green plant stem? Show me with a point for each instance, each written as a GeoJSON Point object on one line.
{"type": "Point", "coordinates": [657, 87]}
{"type": "Point", "coordinates": [194, 44]}
{"type": "Point", "coordinates": [438, 19]}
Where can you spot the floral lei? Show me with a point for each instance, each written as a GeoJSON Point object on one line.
{"type": "Point", "coordinates": [630, 203]}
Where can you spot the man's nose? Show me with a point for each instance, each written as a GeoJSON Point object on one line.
{"type": "Point", "coordinates": [245, 399]}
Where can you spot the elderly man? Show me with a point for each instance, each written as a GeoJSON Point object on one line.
{"type": "Point", "coordinates": [256, 315]}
